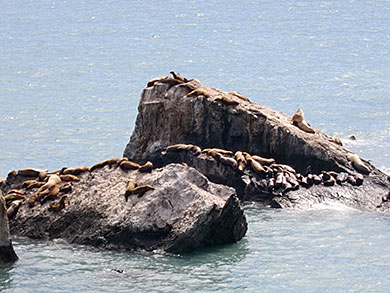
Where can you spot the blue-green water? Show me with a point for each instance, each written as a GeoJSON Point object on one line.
{"type": "Point", "coordinates": [71, 74]}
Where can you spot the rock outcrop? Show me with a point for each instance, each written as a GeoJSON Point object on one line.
{"type": "Point", "coordinates": [181, 111]}
{"type": "Point", "coordinates": [173, 209]}
{"type": "Point", "coordinates": [7, 253]}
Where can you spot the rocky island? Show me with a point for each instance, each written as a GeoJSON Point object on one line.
{"type": "Point", "coordinates": [195, 153]}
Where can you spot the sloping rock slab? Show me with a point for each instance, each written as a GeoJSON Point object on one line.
{"type": "Point", "coordinates": [188, 112]}
{"type": "Point", "coordinates": [184, 212]}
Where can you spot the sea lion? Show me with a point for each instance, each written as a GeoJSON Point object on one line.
{"type": "Point", "coordinates": [183, 147]}
{"type": "Point", "coordinates": [69, 177]}
{"type": "Point", "coordinates": [351, 180]}
{"type": "Point", "coordinates": [336, 140]}
{"type": "Point", "coordinates": [58, 206]}
{"type": "Point", "coordinates": [142, 189]}
{"type": "Point", "coordinates": [359, 179]}
{"type": "Point", "coordinates": [131, 185]}
{"type": "Point", "coordinates": [110, 162]}
{"type": "Point", "coordinates": [298, 116]}
{"type": "Point", "coordinates": [66, 188]}
{"type": "Point", "coordinates": [178, 76]}
{"type": "Point", "coordinates": [256, 166]}
{"type": "Point", "coordinates": [294, 183]}
{"type": "Point", "coordinates": [324, 176]}
{"type": "Point", "coordinates": [227, 161]}
{"type": "Point", "coordinates": [76, 171]}
{"type": "Point", "coordinates": [238, 95]}
{"type": "Point", "coordinates": [263, 161]}
{"type": "Point", "coordinates": [184, 164]}
{"type": "Point", "coordinates": [170, 81]}
{"type": "Point", "coordinates": [310, 179]}
{"type": "Point", "coordinates": [146, 168]}
{"type": "Point", "coordinates": [306, 127]}
{"type": "Point", "coordinates": [304, 182]}
{"type": "Point", "coordinates": [271, 184]}
{"type": "Point", "coordinates": [30, 172]}
{"type": "Point", "coordinates": [316, 179]}
{"type": "Point", "coordinates": [216, 150]}
{"type": "Point", "coordinates": [29, 184]}
{"type": "Point", "coordinates": [199, 92]}
{"type": "Point", "coordinates": [226, 101]}
{"type": "Point", "coordinates": [282, 167]}
{"type": "Point", "coordinates": [330, 182]}
{"type": "Point", "coordinates": [358, 164]}
{"type": "Point", "coordinates": [13, 208]}
{"type": "Point", "coordinates": [14, 196]}
{"type": "Point", "coordinates": [129, 165]}
{"type": "Point", "coordinates": [241, 161]}
{"type": "Point", "coordinates": [279, 178]}
{"type": "Point", "coordinates": [53, 192]}
{"type": "Point", "coordinates": [53, 180]}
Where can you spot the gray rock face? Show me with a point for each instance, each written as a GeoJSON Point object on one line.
{"type": "Point", "coordinates": [188, 112]}
{"type": "Point", "coordinates": [183, 212]}
{"type": "Point", "coordinates": [7, 253]}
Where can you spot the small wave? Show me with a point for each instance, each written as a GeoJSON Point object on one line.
{"type": "Point", "coordinates": [331, 205]}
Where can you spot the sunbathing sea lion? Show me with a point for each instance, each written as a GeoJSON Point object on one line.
{"type": "Point", "coordinates": [13, 208]}
{"type": "Point", "coordinates": [131, 185]}
{"type": "Point", "coordinates": [227, 161]}
{"type": "Point", "coordinates": [129, 165]}
{"type": "Point", "coordinates": [142, 189]}
{"type": "Point", "coordinates": [146, 168]}
{"type": "Point", "coordinates": [298, 119]}
{"type": "Point", "coordinates": [11, 196]}
{"type": "Point", "coordinates": [183, 147]}
{"type": "Point", "coordinates": [58, 206]}
{"type": "Point", "coordinates": [76, 171]}
{"type": "Point", "coordinates": [358, 164]}
{"type": "Point", "coordinates": [216, 150]}
{"type": "Point", "coordinates": [29, 184]}
{"type": "Point", "coordinates": [113, 161]}
{"type": "Point", "coordinates": [241, 161]}
{"type": "Point", "coordinates": [53, 192]}
{"type": "Point", "coordinates": [31, 172]}
{"type": "Point", "coordinates": [226, 101]}
{"type": "Point", "coordinates": [69, 177]}
{"type": "Point", "coordinates": [178, 76]}
{"type": "Point", "coordinates": [263, 161]}
{"type": "Point", "coordinates": [298, 116]}
{"type": "Point", "coordinates": [240, 96]}
{"type": "Point", "coordinates": [256, 166]}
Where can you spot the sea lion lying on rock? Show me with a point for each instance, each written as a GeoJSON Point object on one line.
{"type": "Point", "coordinates": [298, 119]}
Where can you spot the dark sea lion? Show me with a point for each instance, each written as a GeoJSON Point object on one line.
{"type": "Point", "coordinates": [146, 168]}
{"type": "Point", "coordinates": [294, 183]}
{"type": "Point", "coordinates": [351, 180]}
{"type": "Point", "coordinates": [316, 179]}
{"type": "Point", "coordinates": [359, 179]}
{"type": "Point", "coordinates": [58, 206]}
{"type": "Point", "coordinates": [66, 188]}
{"type": "Point", "coordinates": [142, 189]}
{"type": "Point", "coordinates": [178, 76]}
{"type": "Point", "coordinates": [282, 167]}
{"type": "Point", "coordinates": [152, 81]}
{"type": "Point", "coordinates": [29, 184]}
{"type": "Point", "coordinates": [304, 182]}
{"type": "Point", "coordinates": [113, 161]}
{"type": "Point", "coordinates": [330, 182]}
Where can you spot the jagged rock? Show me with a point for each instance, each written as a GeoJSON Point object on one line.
{"type": "Point", "coordinates": [188, 112]}
{"type": "Point", "coordinates": [7, 253]}
{"type": "Point", "coordinates": [181, 211]}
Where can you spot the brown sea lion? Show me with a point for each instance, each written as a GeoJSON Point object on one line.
{"type": "Point", "coordinates": [170, 81]}
{"type": "Point", "coordinates": [31, 172]}
{"type": "Point", "coordinates": [131, 185]}
{"type": "Point", "coordinates": [14, 196]}
{"type": "Point", "coordinates": [298, 117]}
{"type": "Point", "coordinates": [226, 101]}
{"type": "Point", "coordinates": [241, 161]}
{"type": "Point", "coordinates": [69, 177]}
{"type": "Point", "coordinates": [129, 165]}
{"type": "Point", "coordinates": [146, 168]}
{"type": "Point", "coordinates": [184, 147]}
{"type": "Point", "coordinates": [140, 190]}
{"type": "Point", "coordinates": [152, 81]}
{"type": "Point", "coordinates": [29, 184]}
{"type": "Point", "coordinates": [336, 140]}
{"type": "Point", "coordinates": [58, 206]}
{"type": "Point", "coordinates": [200, 92]}
{"type": "Point", "coordinates": [306, 127]}
{"type": "Point", "coordinates": [51, 195]}
{"type": "Point", "coordinates": [76, 171]}
{"type": "Point", "coordinates": [256, 166]}
{"type": "Point", "coordinates": [227, 161]}
{"type": "Point", "coordinates": [216, 150]}
{"type": "Point", "coordinates": [13, 208]}
{"type": "Point", "coordinates": [53, 180]}
{"type": "Point", "coordinates": [240, 96]}
{"type": "Point", "coordinates": [358, 164]}
{"type": "Point", "coordinates": [263, 161]}
{"type": "Point", "coordinates": [113, 161]}
{"type": "Point", "coordinates": [351, 180]}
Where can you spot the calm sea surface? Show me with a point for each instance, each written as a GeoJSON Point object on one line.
{"type": "Point", "coordinates": [71, 75]}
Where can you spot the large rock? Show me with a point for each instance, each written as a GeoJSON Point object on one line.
{"type": "Point", "coordinates": [184, 211]}
{"type": "Point", "coordinates": [7, 253]}
{"type": "Point", "coordinates": [182, 111]}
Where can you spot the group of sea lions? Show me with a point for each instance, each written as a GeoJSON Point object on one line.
{"type": "Point", "coordinates": [42, 186]}
{"type": "Point", "coordinates": [279, 177]}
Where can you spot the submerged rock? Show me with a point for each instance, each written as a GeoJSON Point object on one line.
{"type": "Point", "coordinates": [7, 253]}
{"type": "Point", "coordinates": [187, 112]}
{"type": "Point", "coordinates": [180, 211]}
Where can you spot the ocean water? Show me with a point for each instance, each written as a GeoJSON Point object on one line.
{"type": "Point", "coordinates": [71, 75]}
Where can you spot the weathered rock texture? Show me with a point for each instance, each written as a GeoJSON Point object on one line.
{"type": "Point", "coordinates": [188, 112]}
{"type": "Point", "coordinates": [7, 253]}
{"type": "Point", "coordinates": [184, 211]}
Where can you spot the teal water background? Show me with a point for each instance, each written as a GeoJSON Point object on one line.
{"type": "Point", "coordinates": [71, 75]}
